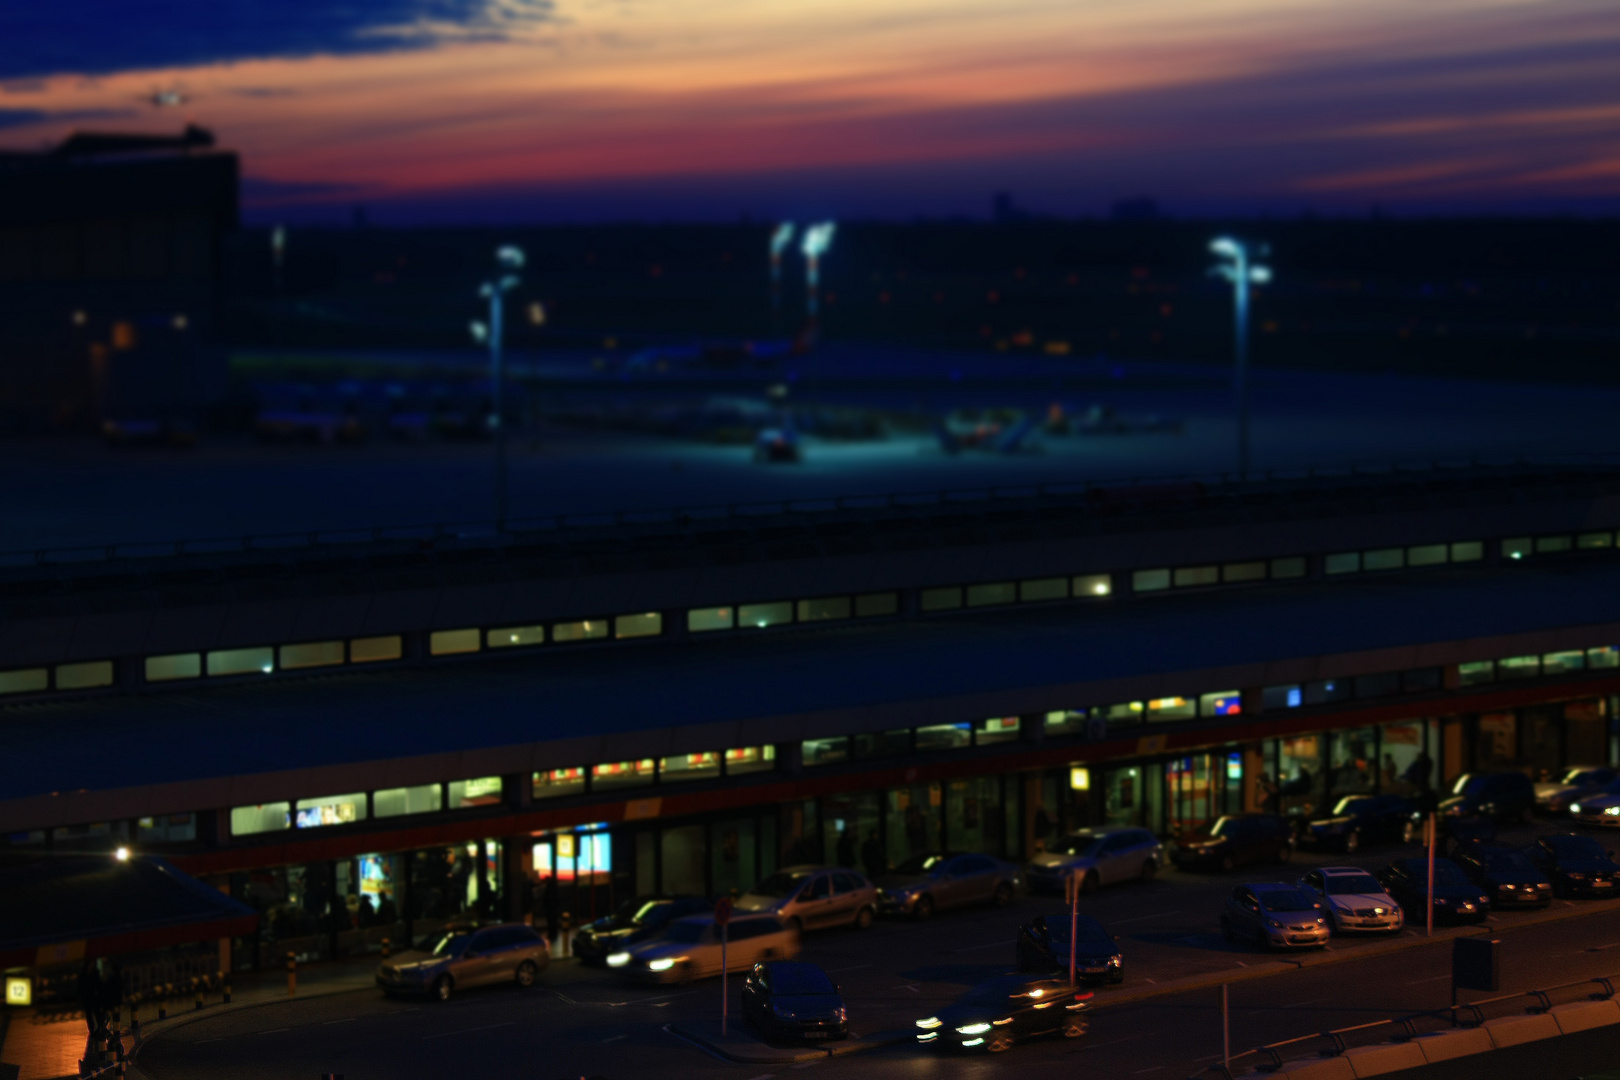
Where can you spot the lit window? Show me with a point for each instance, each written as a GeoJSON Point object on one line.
{"type": "Point", "coordinates": [1043, 589]}
{"type": "Point", "coordinates": [1243, 571]}
{"type": "Point", "coordinates": [369, 649]}
{"type": "Point", "coordinates": [701, 766]}
{"type": "Point", "coordinates": [1468, 551]}
{"type": "Point", "coordinates": [1343, 562]}
{"type": "Point", "coordinates": [1472, 674]}
{"type": "Point", "coordinates": [25, 681]}
{"type": "Point", "coordinates": [260, 660]}
{"type": "Point", "coordinates": [879, 744]}
{"type": "Point", "coordinates": [649, 624]}
{"type": "Point", "coordinates": [944, 736]}
{"type": "Point", "coordinates": [1590, 541]}
{"type": "Point", "coordinates": [999, 729]}
{"type": "Point", "coordinates": [451, 642]}
{"type": "Point", "coordinates": [311, 654]}
{"type": "Point", "coordinates": [480, 791]}
{"type": "Point", "coordinates": [512, 637]}
{"type": "Point", "coordinates": [748, 759]}
{"type": "Point", "coordinates": [1548, 545]}
{"type": "Point", "coordinates": [554, 782]}
{"type": "Point", "coordinates": [1290, 566]}
{"type": "Point", "coordinates": [1220, 703]}
{"type": "Point", "coordinates": [1001, 592]}
{"type": "Point", "coordinates": [623, 774]}
{"type": "Point", "coordinates": [1171, 708]}
{"type": "Point", "coordinates": [1517, 548]}
{"type": "Point", "coordinates": [1150, 580]}
{"type": "Point", "coordinates": [1384, 559]}
{"type": "Point", "coordinates": [824, 608]}
{"type": "Point", "coordinates": [824, 751]}
{"type": "Point", "coordinates": [1288, 696]}
{"type": "Point", "coordinates": [1190, 576]}
{"type": "Point", "coordinates": [331, 810]}
{"type": "Point", "coordinates": [947, 599]}
{"type": "Point", "coordinates": [760, 616]}
{"type": "Point", "coordinates": [1093, 585]}
{"type": "Point", "coordinates": [1519, 667]}
{"type": "Point", "coordinates": [397, 802]}
{"type": "Point", "coordinates": [1604, 656]}
{"type": "Point", "coordinates": [1128, 712]}
{"type": "Point", "coordinates": [1426, 555]}
{"type": "Point", "coordinates": [1066, 722]}
{"type": "Point", "coordinates": [1556, 663]}
{"type": "Point", "coordinates": [701, 620]}
{"type": "Point", "coordinates": [177, 666]}
{"type": "Point", "coordinates": [584, 630]}
{"type": "Point", "coordinates": [84, 676]}
{"type": "Point", "coordinates": [266, 817]}
{"type": "Point", "coordinates": [875, 604]}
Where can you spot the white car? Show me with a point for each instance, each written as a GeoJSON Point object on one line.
{"type": "Point", "coordinates": [1600, 810]}
{"type": "Point", "coordinates": [689, 949]}
{"type": "Point", "coordinates": [1097, 857]}
{"type": "Point", "coordinates": [1353, 900]}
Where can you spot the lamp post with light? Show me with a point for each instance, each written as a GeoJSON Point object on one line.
{"type": "Point", "coordinates": [1238, 269]}
{"type": "Point", "coordinates": [508, 259]}
{"type": "Point", "coordinates": [781, 237]}
{"type": "Point", "coordinates": [817, 239]}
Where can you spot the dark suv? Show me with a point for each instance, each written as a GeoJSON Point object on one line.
{"type": "Point", "coordinates": [1500, 796]}
{"type": "Point", "coordinates": [1234, 840]}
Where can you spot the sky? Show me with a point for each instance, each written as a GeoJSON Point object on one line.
{"type": "Point", "coordinates": [430, 111]}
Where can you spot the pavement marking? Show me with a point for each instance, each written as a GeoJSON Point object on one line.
{"type": "Point", "coordinates": [463, 1031]}
{"type": "Point", "coordinates": [1143, 918]}
{"type": "Point", "coordinates": [1155, 982]}
{"type": "Point", "coordinates": [857, 967]}
{"type": "Point", "coordinates": [345, 1020]}
{"type": "Point", "coordinates": [1242, 964]}
{"type": "Point", "coordinates": [1435, 978]}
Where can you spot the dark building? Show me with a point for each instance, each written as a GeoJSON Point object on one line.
{"type": "Point", "coordinates": [111, 258]}
{"type": "Point", "coordinates": [367, 739]}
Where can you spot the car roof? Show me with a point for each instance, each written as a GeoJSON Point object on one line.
{"type": "Point", "coordinates": [1337, 870]}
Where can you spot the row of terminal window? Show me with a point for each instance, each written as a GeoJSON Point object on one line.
{"type": "Point", "coordinates": [265, 659]}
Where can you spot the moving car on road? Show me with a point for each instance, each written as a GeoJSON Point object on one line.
{"type": "Point", "coordinates": [458, 959]}
{"type": "Point", "coordinates": [1554, 796]}
{"type": "Point", "coordinates": [1043, 944]}
{"type": "Point", "coordinates": [1508, 877]}
{"type": "Point", "coordinates": [1600, 809]}
{"type": "Point", "coordinates": [1456, 899]}
{"type": "Point", "coordinates": [636, 920]}
{"type": "Point", "coordinates": [1577, 865]}
{"type": "Point", "coordinates": [1099, 857]}
{"type": "Point", "coordinates": [1274, 915]}
{"type": "Point", "coordinates": [1236, 840]}
{"type": "Point", "coordinates": [1357, 820]}
{"type": "Point", "coordinates": [936, 880]}
{"type": "Point", "coordinates": [1000, 1012]}
{"type": "Point", "coordinates": [814, 897]}
{"type": "Point", "coordinates": [690, 948]}
{"type": "Point", "coordinates": [1353, 900]}
{"type": "Point", "coordinates": [794, 999]}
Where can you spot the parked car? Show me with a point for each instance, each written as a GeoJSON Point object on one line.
{"type": "Point", "coordinates": [814, 897]}
{"type": "Point", "coordinates": [1353, 900]}
{"type": "Point", "coordinates": [1043, 944]}
{"type": "Point", "coordinates": [1577, 865]}
{"type": "Point", "coordinates": [1600, 811]}
{"type": "Point", "coordinates": [1357, 820]}
{"type": "Point", "coordinates": [690, 948]}
{"type": "Point", "coordinates": [999, 1013]}
{"type": "Point", "coordinates": [1456, 899]}
{"type": "Point", "coordinates": [636, 920]}
{"type": "Point", "coordinates": [1508, 877]}
{"type": "Point", "coordinates": [794, 999]}
{"type": "Point", "coordinates": [459, 959]}
{"type": "Point", "coordinates": [936, 880]}
{"type": "Point", "coordinates": [1554, 796]}
{"type": "Point", "coordinates": [1236, 840]}
{"type": "Point", "coordinates": [1502, 797]}
{"type": "Point", "coordinates": [1275, 915]}
{"type": "Point", "coordinates": [1099, 856]}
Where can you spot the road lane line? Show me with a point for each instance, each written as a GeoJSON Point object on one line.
{"type": "Point", "coordinates": [463, 1031]}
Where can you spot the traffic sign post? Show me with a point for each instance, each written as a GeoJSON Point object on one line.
{"type": "Point", "coordinates": [1073, 881]}
{"type": "Point", "coordinates": [722, 916]}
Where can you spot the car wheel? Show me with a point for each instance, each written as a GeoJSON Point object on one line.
{"type": "Point", "coordinates": [1149, 868]}
{"type": "Point", "coordinates": [863, 919]}
{"type": "Point", "coordinates": [525, 973]}
{"type": "Point", "coordinates": [1002, 896]}
{"type": "Point", "coordinates": [1228, 862]}
{"type": "Point", "coordinates": [1089, 883]}
{"type": "Point", "coordinates": [1074, 1028]}
{"type": "Point", "coordinates": [1352, 843]}
{"type": "Point", "coordinates": [923, 908]}
{"type": "Point", "coordinates": [441, 988]}
{"type": "Point", "coordinates": [999, 1043]}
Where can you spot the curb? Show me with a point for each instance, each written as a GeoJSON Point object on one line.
{"type": "Point", "coordinates": [771, 1055]}
{"type": "Point", "coordinates": [1279, 965]}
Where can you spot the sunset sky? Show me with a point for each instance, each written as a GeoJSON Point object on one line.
{"type": "Point", "coordinates": [480, 110]}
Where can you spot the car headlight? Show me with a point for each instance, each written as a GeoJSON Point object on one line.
{"type": "Point", "coordinates": [1274, 924]}
{"type": "Point", "coordinates": [1612, 811]}
{"type": "Point", "coordinates": [660, 965]}
{"type": "Point", "coordinates": [1575, 808]}
{"type": "Point", "coordinates": [929, 1024]}
{"type": "Point", "coordinates": [1115, 961]}
{"type": "Point", "coordinates": [973, 1029]}
{"type": "Point", "coordinates": [1441, 902]}
{"type": "Point", "coordinates": [618, 959]}
{"type": "Point", "coordinates": [1509, 888]}
{"type": "Point", "coordinates": [841, 1014]}
{"type": "Point", "coordinates": [1576, 876]}
{"type": "Point", "coordinates": [1484, 899]}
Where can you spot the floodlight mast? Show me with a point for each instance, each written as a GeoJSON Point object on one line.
{"type": "Point", "coordinates": [817, 239]}
{"type": "Point", "coordinates": [780, 239]}
{"type": "Point", "coordinates": [509, 259]}
{"type": "Point", "coordinates": [1237, 269]}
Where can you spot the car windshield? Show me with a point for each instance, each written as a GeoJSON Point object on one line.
{"type": "Point", "coordinates": [922, 864]}
{"type": "Point", "coordinates": [656, 914]}
{"type": "Point", "coordinates": [800, 979]}
{"type": "Point", "coordinates": [779, 884]}
{"type": "Point", "coordinates": [1078, 844]}
{"type": "Point", "coordinates": [1350, 804]}
{"type": "Point", "coordinates": [1580, 776]}
{"type": "Point", "coordinates": [1574, 847]}
{"type": "Point", "coordinates": [1509, 862]}
{"type": "Point", "coordinates": [1352, 884]}
{"type": "Point", "coordinates": [450, 944]}
{"type": "Point", "coordinates": [1057, 929]}
{"type": "Point", "coordinates": [1287, 900]}
{"type": "Point", "coordinates": [1474, 787]}
{"type": "Point", "coordinates": [686, 933]}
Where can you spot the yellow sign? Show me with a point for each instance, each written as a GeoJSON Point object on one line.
{"type": "Point", "coordinates": [1080, 778]}
{"type": "Point", "coordinates": [19, 990]}
{"type": "Point", "coordinates": [565, 846]}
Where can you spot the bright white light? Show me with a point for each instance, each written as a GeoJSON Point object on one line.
{"type": "Point", "coordinates": [973, 1029]}
{"type": "Point", "coordinates": [480, 332]}
{"type": "Point", "coordinates": [266, 668]}
{"type": "Point", "coordinates": [1260, 275]}
{"type": "Point", "coordinates": [618, 959]}
{"type": "Point", "coordinates": [121, 853]}
{"type": "Point", "coordinates": [930, 1023]}
{"type": "Point", "coordinates": [971, 1042]}
{"type": "Point", "coordinates": [1225, 246]}
{"type": "Point", "coordinates": [1100, 589]}
{"type": "Point", "coordinates": [817, 239]}
{"type": "Point", "coordinates": [510, 257]}
{"type": "Point", "coordinates": [781, 238]}
{"type": "Point", "coordinates": [660, 965]}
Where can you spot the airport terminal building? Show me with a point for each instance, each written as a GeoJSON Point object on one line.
{"type": "Point", "coordinates": [366, 736]}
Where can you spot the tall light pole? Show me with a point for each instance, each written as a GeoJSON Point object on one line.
{"type": "Point", "coordinates": [780, 239]}
{"type": "Point", "coordinates": [1241, 272]}
{"type": "Point", "coordinates": [817, 239]}
{"type": "Point", "coordinates": [509, 260]}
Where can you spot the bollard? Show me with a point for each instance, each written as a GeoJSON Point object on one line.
{"type": "Point", "coordinates": [565, 939]}
{"type": "Point", "coordinates": [199, 999]}
{"type": "Point", "coordinates": [227, 993]}
{"type": "Point", "coordinates": [163, 1011]}
{"type": "Point", "coordinates": [385, 944]}
{"type": "Point", "coordinates": [292, 974]}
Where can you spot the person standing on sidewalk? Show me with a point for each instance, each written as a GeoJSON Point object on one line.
{"type": "Point", "coordinates": [90, 997]}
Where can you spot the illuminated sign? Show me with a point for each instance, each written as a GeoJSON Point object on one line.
{"type": "Point", "coordinates": [1080, 778]}
{"type": "Point", "coordinates": [19, 990]}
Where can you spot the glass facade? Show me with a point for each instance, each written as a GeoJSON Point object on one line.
{"type": "Point", "coordinates": [701, 766]}
{"type": "Point", "coordinates": [622, 774]}
{"type": "Point", "coordinates": [944, 736]}
{"type": "Point", "coordinates": [913, 817]}
{"type": "Point", "coordinates": [552, 783]}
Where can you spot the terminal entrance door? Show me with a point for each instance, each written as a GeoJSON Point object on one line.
{"type": "Point", "coordinates": [1193, 792]}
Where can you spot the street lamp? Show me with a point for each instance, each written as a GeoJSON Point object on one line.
{"type": "Point", "coordinates": [1237, 269]}
{"type": "Point", "coordinates": [509, 260]}
{"type": "Point", "coordinates": [780, 239]}
{"type": "Point", "coordinates": [817, 239]}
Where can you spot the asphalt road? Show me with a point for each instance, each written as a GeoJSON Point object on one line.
{"type": "Point", "coordinates": [587, 1022]}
